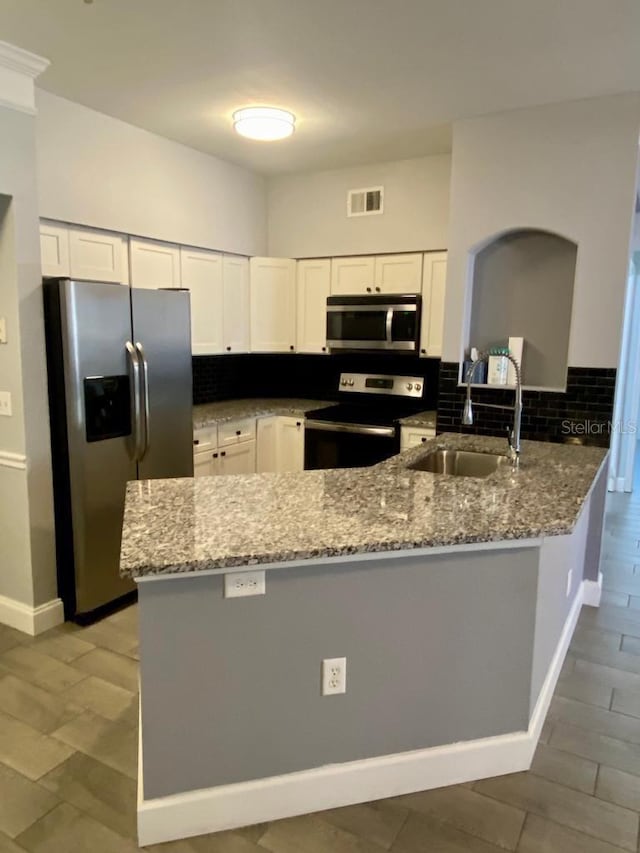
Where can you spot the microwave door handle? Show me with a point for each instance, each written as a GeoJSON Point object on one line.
{"type": "Point", "coordinates": [389, 325]}
{"type": "Point", "coordinates": [145, 397]}
{"type": "Point", "coordinates": [136, 397]}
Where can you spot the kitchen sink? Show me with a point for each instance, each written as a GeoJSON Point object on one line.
{"type": "Point", "coordinates": [460, 463]}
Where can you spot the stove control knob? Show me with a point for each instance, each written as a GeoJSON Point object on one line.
{"type": "Point", "coordinates": [409, 386]}
{"type": "Point", "coordinates": [418, 386]}
{"type": "Point", "coordinates": [350, 383]}
{"type": "Point", "coordinates": [343, 382]}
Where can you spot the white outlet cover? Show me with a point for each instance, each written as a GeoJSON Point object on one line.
{"type": "Point", "coordinates": [243, 584]}
{"type": "Point", "coordinates": [334, 676]}
{"type": "Point", "coordinates": [3, 330]}
{"type": "Point", "coordinates": [5, 404]}
{"type": "Point", "coordinates": [569, 579]}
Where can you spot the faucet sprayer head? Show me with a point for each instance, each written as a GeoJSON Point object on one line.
{"type": "Point", "coordinates": [467, 412]}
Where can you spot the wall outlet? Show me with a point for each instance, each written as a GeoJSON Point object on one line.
{"type": "Point", "coordinates": [3, 330]}
{"type": "Point", "coordinates": [569, 581]}
{"type": "Point", "coordinates": [334, 676]}
{"type": "Point", "coordinates": [239, 584]}
{"type": "Point", "coordinates": [5, 404]}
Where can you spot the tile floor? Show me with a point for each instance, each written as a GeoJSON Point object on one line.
{"type": "Point", "coordinates": [68, 744]}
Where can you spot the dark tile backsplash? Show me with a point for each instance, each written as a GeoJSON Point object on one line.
{"type": "Point", "coordinates": [223, 377]}
{"type": "Point", "coordinates": [582, 413]}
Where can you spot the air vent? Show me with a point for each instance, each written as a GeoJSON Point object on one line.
{"type": "Point", "coordinates": [365, 202]}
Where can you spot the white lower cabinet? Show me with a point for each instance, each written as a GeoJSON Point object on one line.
{"type": "Point", "coordinates": [280, 444]}
{"type": "Point", "coordinates": [290, 444]}
{"type": "Point", "coordinates": [267, 445]}
{"type": "Point", "coordinates": [239, 459]}
{"type": "Point", "coordinates": [412, 436]}
{"type": "Point", "coordinates": [205, 463]}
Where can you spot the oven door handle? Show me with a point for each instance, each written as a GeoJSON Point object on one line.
{"type": "Point", "coordinates": [356, 429]}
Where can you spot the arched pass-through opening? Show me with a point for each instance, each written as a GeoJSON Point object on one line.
{"type": "Point", "coordinates": [522, 286]}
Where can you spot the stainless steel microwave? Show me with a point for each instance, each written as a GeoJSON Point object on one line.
{"type": "Point", "coordinates": [380, 322]}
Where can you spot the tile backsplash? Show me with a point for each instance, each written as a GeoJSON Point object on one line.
{"type": "Point", "coordinates": [581, 413]}
{"type": "Point", "coordinates": [223, 377]}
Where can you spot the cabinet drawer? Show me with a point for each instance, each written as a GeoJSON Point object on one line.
{"type": "Point", "coordinates": [412, 436]}
{"type": "Point", "coordinates": [232, 432]}
{"type": "Point", "coordinates": [205, 439]}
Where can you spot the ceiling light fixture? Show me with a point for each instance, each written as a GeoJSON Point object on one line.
{"type": "Point", "coordinates": [264, 123]}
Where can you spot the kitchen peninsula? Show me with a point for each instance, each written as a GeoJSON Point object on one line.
{"type": "Point", "coordinates": [453, 600]}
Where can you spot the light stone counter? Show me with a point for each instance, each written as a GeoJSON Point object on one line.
{"type": "Point", "coordinates": [209, 523]}
{"type": "Point", "coordinates": [210, 414]}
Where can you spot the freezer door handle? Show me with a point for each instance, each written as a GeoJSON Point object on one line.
{"type": "Point", "coordinates": [136, 397]}
{"type": "Point", "coordinates": [145, 397]}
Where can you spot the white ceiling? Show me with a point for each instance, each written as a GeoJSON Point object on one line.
{"type": "Point", "coordinates": [370, 80]}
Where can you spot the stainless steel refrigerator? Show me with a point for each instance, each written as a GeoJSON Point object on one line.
{"type": "Point", "coordinates": [120, 400]}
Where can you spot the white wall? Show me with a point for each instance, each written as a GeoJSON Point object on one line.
{"type": "Point", "coordinates": [99, 171]}
{"type": "Point", "coordinates": [568, 168]}
{"type": "Point", "coordinates": [308, 212]}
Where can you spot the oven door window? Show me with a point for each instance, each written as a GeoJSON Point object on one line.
{"type": "Point", "coordinates": [324, 449]}
{"type": "Point", "coordinates": [345, 325]}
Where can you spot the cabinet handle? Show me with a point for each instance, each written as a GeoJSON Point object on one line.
{"type": "Point", "coordinates": [238, 432]}
{"type": "Point", "coordinates": [215, 455]}
{"type": "Point", "coordinates": [377, 290]}
{"type": "Point", "coordinates": [196, 441]}
{"type": "Point", "coordinates": [298, 424]}
{"type": "Point", "coordinates": [423, 351]}
{"type": "Point", "coordinates": [228, 349]}
{"type": "Point", "coordinates": [423, 439]}
{"type": "Point", "coordinates": [292, 347]}
{"type": "Point", "coordinates": [368, 290]}
{"type": "Point", "coordinates": [224, 453]}
{"type": "Point", "coordinates": [324, 349]}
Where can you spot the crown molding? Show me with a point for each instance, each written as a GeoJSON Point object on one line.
{"type": "Point", "coordinates": [18, 70]}
{"type": "Point", "coordinates": [21, 61]}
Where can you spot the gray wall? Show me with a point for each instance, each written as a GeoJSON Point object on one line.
{"type": "Point", "coordinates": [523, 286]}
{"type": "Point", "coordinates": [438, 650]}
{"type": "Point", "coordinates": [27, 555]}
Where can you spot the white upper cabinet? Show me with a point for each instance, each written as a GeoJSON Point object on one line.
{"type": "Point", "coordinates": [153, 264]}
{"type": "Point", "coordinates": [98, 255]}
{"type": "Point", "coordinates": [434, 278]}
{"type": "Point", "coordinates": [235, 320]}
{"type": "Point", "coordinates": [201, 273]}
{"type": "Point", "coordinates": [313, 286]}
{"type": "Point", "coordinates": [352, 275]}
{"type": "Point", "coordinates": [398, 273]}
{"type": "Point", "coordinates": [273, 304]}
{"type": "Point", "coordinates": [54, 249]}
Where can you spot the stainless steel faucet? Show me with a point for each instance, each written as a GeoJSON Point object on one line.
{"type": "Point", "coordinates": [513, 435]}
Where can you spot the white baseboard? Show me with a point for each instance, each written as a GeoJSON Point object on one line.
{"type": "Point", "coordinates": [593, 591]}
{"type": "Point", "coordinates": [260, 800]}
{"type": "Point", "coordinates": [31, 620]}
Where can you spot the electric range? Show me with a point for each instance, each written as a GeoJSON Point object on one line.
{"type": "Point", "coordinates": [363, 428]}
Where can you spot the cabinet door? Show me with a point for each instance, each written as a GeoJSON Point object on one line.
{"type": "Point", "coordinates": [412, 436]}
{"type": "Point", "coordinates": [201, 273]}
{"type": "Point", "coordinates": [235, 303]}
{"type": "Point", "coordinates": [267, 448]}
{"type": "Point", "coordinates": [98, 255]}
{"type": "Point", "coordinates": [434, 279]}
{"type": "Point", "coordinates": [54, 249]}
{"type": "Point", "coordinates": [352, 275]}
{"type": "Point", "coordinates": [290, 444]}
{"type": "Point", "coordinates": [398, 273]}
{"type": "Point", "coordinates": [205, 464]}
{"type": "Point", "coordinates": [273, 304]}
{"type": "Point", "coordinates": [153, 264]}
{"type": "Point", "coordinates": [240, 459]}
{"type": "Point", "coordinates": [313, 286]}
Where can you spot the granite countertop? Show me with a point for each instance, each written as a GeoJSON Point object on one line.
{"type": "Point", "coordinates": [210, 414]}
{"type": "Point", "coordinates": [420, 419]}
{"type": "Point", "coordinates": [191, 525]}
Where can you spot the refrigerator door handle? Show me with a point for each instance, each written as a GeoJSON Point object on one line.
{"type": "Point", "coordinates": [145, 397]}
{"type": "Point", "coordinates": [134, 376]}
